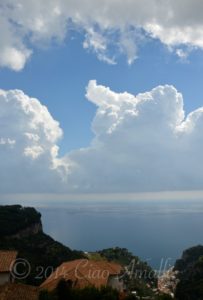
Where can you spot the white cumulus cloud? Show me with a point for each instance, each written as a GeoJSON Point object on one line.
{"type": "Point", "coordinates": [107, 25]}
{"type": "Point", "coordinates": [28, 145]}
{"type": "Point", "coordinates": [142, 143]}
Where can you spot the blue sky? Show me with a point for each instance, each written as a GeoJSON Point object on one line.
{"type": "Point", "coordinates": [58, 76]}
{"type": "Point", "coordinates": [89, 130]}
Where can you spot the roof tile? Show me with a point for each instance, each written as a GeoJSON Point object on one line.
{"type": "Point", "coordinates": [82, 273]}
{"type": "Point", "coordinates": [14, 291]}
{"type": "Point", "coordinates": [7, 258]}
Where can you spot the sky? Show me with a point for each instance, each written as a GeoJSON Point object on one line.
{"type": "Point", "coordinates": [101, 96]}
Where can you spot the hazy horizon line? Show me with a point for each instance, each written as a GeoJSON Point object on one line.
{"type": "Point", "coordinates": [162, 195]}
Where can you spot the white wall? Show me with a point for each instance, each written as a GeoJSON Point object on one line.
{"type": "Point", "coordinates": [114, 282]}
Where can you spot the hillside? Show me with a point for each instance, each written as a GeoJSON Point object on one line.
{"type": "Point", "coordinates": [139, 275]}
{"type": "Point", "coordinates": [21, 230]}
{"type": "Point", "coordinates": [16, 220]}
{"type": "Point", "coordinates": [190, 268]}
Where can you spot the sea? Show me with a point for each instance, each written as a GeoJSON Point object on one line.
{"type": "Point", "coordinates": [156, 231]}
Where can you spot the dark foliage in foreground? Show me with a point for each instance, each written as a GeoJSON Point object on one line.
{"type": "Point", "coordinates": [65, 292]}
{"type": "Point", "coordinates": [190, 268]}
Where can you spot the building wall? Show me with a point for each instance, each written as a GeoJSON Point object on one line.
{"type": "Point", "coordinates": [4, 278]}
{"type": "Point", "coordinates": [115, 283]}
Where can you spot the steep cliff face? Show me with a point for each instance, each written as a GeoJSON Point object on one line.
{"type": "Point", "coordinates": [190, 275]}
{"type": "Point", "coordinates": [17, 221]}
{"type": "Point", "coordinates": [34, 228]}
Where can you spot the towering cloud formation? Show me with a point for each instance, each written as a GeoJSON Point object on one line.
{"type": "Point", "coordinates": [142, 143]}
{"type": "Point", "coordinates": [106, 23]}
{"type": "Point", "coordinates": [28, 150]}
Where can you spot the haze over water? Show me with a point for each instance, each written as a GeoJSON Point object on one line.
{"type": "Point", "coordinates": [153, 230]}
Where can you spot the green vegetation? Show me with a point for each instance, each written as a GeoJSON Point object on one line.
{"type": "Point", "coordinates": [139, 276]}
{"type": "Point", "coordinates": [65, 292]}
{"type": "Point", "coordinates": [190, 268]}
{"type": "Point", "coordinates": [118, 255]}
{"type": "Point", "coordinates": [95, 256]}
{"type": "Point", "coordinates": [14, 218]}
{"type": "Point", "coordinates": [40, 250]}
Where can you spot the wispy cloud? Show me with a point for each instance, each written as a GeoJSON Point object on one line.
{"type": "Point", "coordinates": [28, 24]}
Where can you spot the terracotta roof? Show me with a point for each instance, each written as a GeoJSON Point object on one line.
{"type": "Point", "coordinates": [14, 291]}
{"type": "Point", "coordinates": [7, 258]}
{"type": "Point", "coordinates": [82, 273]}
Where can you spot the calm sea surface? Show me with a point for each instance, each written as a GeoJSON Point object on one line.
{"type": "Point", "coordinates": [153, 230]}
